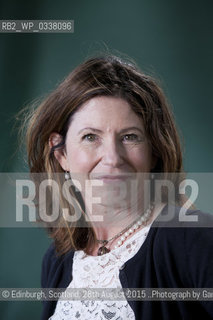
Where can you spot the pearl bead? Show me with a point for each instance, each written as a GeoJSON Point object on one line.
{"type": "Point", "coordinates": [139, 223]}
{"type": "Point", "coordinates": [67, 176]}
{"type": "Point", "coordinates": [123, 238]}
{"type": "Point", "coordinates": [119, 242]}
{"type": "Point", "coordinates": [126, 234]}
{"type": "Point", "coordinates": [130, 231]}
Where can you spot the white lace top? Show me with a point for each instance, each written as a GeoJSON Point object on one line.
{"type": "Point", "coordinates": [100, 272]}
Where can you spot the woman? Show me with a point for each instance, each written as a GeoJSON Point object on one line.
{"type": "Point", "coordinates": [108, 129]}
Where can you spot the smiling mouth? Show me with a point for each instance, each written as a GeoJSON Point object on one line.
{"type": "Point", "coordinates": [113, 178]}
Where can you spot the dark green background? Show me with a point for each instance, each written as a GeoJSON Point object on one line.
{"type": "Point", "coordinates": [169, 39]}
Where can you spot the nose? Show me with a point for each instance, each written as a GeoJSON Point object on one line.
{"type": "Point", "coordinates": [112, 153]}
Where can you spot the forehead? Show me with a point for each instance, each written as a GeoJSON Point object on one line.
{"type": "Point", "coordinates": [106, 111]}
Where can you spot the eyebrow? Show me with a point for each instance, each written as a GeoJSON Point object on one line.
{"type": "Point", "coordinates": [100, 131]}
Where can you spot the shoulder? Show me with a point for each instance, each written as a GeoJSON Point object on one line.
{"type": "Point", "coordinates": [174, 216]}
{"type": "Point", "coordinates": [179, 226]}
{"type": "Point", "coordinates": [186, 245]}
{"type": "Point", "coordinates": [54, 266]}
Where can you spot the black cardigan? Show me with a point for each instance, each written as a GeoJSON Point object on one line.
{"type": "Point", "coordinates": [171, 257]}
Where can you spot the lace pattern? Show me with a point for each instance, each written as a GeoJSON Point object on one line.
{"type": "Point", "coordinates": [100, 272]}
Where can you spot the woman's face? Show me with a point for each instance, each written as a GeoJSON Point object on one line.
{"type": "Point", "coordinates": [106, 150]}
{"type": "Point", "coordinates": [106, 140]}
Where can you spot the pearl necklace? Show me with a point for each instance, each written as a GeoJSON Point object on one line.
{"type": "Point", "coordinates": [125, 232]}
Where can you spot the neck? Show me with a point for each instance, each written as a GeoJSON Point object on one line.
{"type": "Point", "coordinates": [107, 221]}
{"type": "Point", "coordinates": [106, 233]}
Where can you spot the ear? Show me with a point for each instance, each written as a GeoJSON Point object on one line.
{"type": "Point", "coordinates": [60, 154]}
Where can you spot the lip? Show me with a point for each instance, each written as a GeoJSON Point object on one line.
{"type": "Point", "coordinates": [113, 178]}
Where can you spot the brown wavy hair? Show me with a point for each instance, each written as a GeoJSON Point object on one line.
{"type": "Point", "coordinates": [105, 75]}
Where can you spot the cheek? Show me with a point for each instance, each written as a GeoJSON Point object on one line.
{"type": "Point", "coordinates": [140, 159]}
{"type": "Point", "coordinates": [80, 161]}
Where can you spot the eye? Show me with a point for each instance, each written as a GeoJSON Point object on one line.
{"type": "Point", "coordinates": [131, 138]}
{"type": "Point", "coordinates": [90, 137]}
